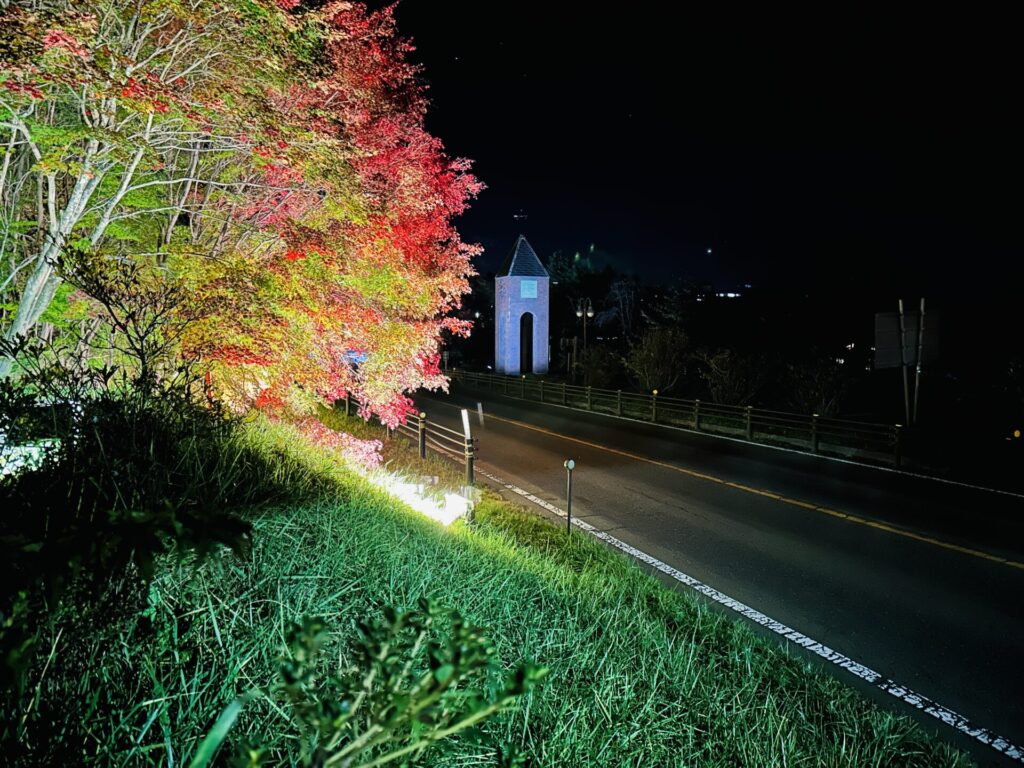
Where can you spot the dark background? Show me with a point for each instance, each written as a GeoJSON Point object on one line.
{"type": "Point", "coordinates": [880, 149]}
{"type": "Point", "coordinates": [835, 162]}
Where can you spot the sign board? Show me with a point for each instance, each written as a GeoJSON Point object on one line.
{"type": "Point", "coordinates": [887, 339]}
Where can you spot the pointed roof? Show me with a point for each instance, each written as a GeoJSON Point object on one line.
{"type": "Point", "coordinates": [522, 261]}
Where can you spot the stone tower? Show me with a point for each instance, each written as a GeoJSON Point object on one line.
{"type": "Point", "coordinates": [522, 300]}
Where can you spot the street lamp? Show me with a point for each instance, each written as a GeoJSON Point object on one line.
{"type": "Point", "coordinates": [584, 310]}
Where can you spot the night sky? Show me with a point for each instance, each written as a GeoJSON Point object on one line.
{"type": "Point", "coordinates": [886, 150]}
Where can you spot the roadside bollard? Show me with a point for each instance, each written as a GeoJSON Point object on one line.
{"type": "Point", "coordinates": [654, 406]}
{"type": "Point", "coordinates": [814, 433]}
{"type": "Point", "coordinates": [750, 423]}
{"type": "Point", "coordinates": [569, 466]}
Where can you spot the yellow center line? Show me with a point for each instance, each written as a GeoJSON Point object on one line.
{"type": "Point", "coordinates": [784, 499]}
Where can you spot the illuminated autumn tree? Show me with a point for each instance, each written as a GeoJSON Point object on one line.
{"type": "Point", "coordinates": [269, 159]}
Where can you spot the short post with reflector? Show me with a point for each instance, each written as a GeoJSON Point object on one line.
{"type": "Point", "coordinates": [569, 465]}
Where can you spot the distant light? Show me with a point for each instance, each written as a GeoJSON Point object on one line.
{"type": "Point", "coordinates": [579, 313]}
{"type": "Point", "coordinates": [709, 251]}
{"type": "Point", "coordinates": [840, 360]}
{"type": "Point", "coordinates": [1016, 433]}
{"type": "Point", "coordinates": [590, 313]}
{"type": "Point", "coordinates": [476, 315]}
{"type": "Point", "coordinates": [851, 345]}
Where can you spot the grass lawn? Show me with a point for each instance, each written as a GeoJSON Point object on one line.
{"type": "Point", "coordinates": [640, 675]}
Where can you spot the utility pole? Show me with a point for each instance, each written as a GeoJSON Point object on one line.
{"type": "Point", "coordinates": [903, 363]}
{"type": "Point", "coordinates": [920, 351]}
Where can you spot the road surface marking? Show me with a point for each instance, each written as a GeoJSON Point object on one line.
{"type": "Point", "coordinates": [901, 692]}
{"type": "Point", "coordinates": [769, 446]}
{"type": "Point", "coordinates": [784, 499]}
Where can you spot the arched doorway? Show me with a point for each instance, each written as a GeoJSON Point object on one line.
{"type": "Point", "coordinates": [526, 343]}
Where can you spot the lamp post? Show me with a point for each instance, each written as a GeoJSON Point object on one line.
{"type": "Point", "coordinates": [584, 310]}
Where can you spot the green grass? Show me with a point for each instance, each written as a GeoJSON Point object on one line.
{"type": "Point", "coordinates": [640, 675]}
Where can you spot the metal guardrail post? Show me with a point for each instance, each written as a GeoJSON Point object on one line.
{"type": "Point", "coordinates": [897, 444]}
{"type": "Point", "coordinates": [891, 434]}
{"type": "Point", "coordinates": [469, 461]}
{"type": "Point", "coordinates": [421, 434]}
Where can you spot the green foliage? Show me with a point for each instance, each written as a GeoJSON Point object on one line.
{"type": "Point", "coordinates": [817, 386]}
{"type": "Point", "coordinates": [639, 674]}
{"type": "Point", "coordinates": [601, 366]}
{"type": "Point", "coordinates": [405, 691]}
{"type": "Point", "coordinates": [58, 313]}
{"type": "Point", "coordinates": [122, 474]}
{"type": "Point", "coordinates": [733, 378]}
{"type": "Point", "coordinates": [658, 360]}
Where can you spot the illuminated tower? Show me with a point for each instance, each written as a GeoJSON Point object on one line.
{"type": "Point", "coordinates": [522, 300]}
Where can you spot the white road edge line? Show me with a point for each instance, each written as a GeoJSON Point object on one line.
{"type": "Point", "coordinates": [879, 467]}
{"type": "Point", "coordinates": [901, 692]}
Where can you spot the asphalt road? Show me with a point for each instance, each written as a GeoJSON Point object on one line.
{"type": "Point", "coordinates": [920, 580]}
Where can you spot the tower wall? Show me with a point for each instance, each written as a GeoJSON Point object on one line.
{"type": "Point", "coordinates": [509, 306]}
